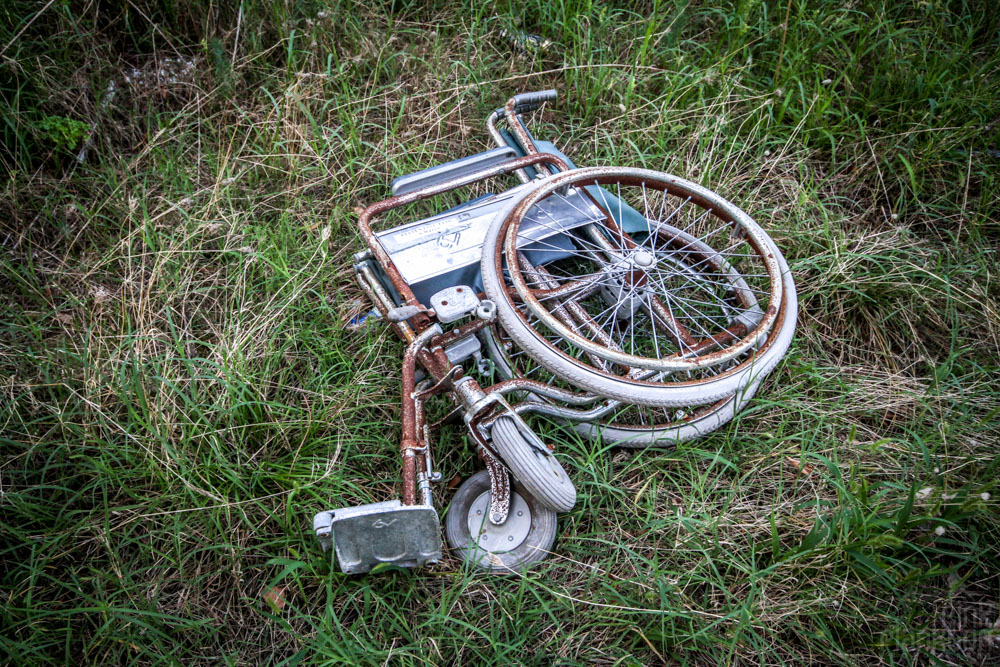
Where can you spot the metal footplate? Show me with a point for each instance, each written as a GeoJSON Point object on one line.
{"type": "Point", "coordinates": [389, 532]}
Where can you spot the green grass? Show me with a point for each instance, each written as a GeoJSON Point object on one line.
{"type": "Point", "coordinates": [178, 394]}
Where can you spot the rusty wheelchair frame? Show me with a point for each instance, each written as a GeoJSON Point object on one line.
{"type": "Point", "coordinates": [596, 296]}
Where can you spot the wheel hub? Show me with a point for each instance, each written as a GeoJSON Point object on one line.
{"type": "Point", "coordinates": [625, 284]}
{"type": "Point", "coordinates": [508, 535]}
{"type": "Point", "coordinates": [643, 259]}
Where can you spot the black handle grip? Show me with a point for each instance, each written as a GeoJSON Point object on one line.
{"type": "Point", "coordinates": [531, 101]}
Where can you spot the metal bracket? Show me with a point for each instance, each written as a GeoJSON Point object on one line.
{"type": "Point", "coordinates": [437, 387]}
{"type": "Point", "coordinates": [522, 427]}
{"type": "Point", "coordinates": [453, 303]}
{"type": "Point", "coordinates": [403, 313]}
{"type": "Point", "coordinates": [750, 317]}
{"type": "Point", "coordinates": [482, 404]}
{"type": "Point", "coordinates": [463, 348]}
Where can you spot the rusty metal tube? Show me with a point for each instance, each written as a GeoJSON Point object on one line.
{"type": "Point", "coordinates": [381, 300]}
{"type": "Point", "coordinates": [514, 124]}
{"type": "Point", "coordinates": [460, 332]}
{"type": "Point", "coordinates": [410, 447]}
{"type": "Point", "coordinates": [536, 387]}
{"type": "Point", "coordinates": [491, 127]}
{"type": "Point", "coordinates": [423, 437]}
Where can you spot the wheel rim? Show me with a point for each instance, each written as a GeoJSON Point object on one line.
{"type": "Point", "coordinates": [651, 269]}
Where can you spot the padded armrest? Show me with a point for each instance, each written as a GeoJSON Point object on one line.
{"type": "Point", "coordinates": [450, 170]}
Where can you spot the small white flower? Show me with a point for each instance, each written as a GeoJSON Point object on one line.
{"type": "Point", "coordinates": [779, 92]}
{"type": "Point", "coordinates": [936, 469]}
{"type": "Point", "coordinates": [985, 495]}
{"type": "Point", "coordinates": [924, 492]}
{"type": "Point", "coordinates": [939, 531]}
{"type": "Point", "coordinates": [767, 153]}
{"type": "Point", "coordinates": [621, 107]}
{"type": "Point", "coordinates": [827, 82]}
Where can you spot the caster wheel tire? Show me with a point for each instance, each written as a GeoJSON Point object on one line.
{"type": "Point", "coordinates": [526, 536]}
{"type": "Point", "coordinates": [539, 473]}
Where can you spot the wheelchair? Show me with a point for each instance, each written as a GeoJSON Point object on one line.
{"type": "Point", "coordinates": [637, 307]}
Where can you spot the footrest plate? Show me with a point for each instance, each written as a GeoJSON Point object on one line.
{"type": "Point", "coordinates": [389, 532]}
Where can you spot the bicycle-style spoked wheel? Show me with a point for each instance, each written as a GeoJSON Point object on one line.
{"type": "Point", "coordinates": [620, 424]}
{"type": "Point", "coordinates": [655, 282]}
{"type": "Point", "coordinates": [615, 423]}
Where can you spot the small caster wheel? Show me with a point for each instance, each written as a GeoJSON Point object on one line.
{"type": "Point", "coordinates": [526, 536]}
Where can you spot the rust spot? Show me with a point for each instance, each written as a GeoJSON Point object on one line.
{"type": "Point", "coordinates": [275, 597]}
{"type": "Point", "coordinates": [796, 468]}
{"type": "Point", "coordinates": [771, 310]}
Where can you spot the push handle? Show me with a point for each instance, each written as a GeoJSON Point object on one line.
{"type": "Point", "coordinates": [531, 101]}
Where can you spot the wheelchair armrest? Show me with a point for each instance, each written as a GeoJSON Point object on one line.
{"type": "Point", "coordinates": [451, 170]}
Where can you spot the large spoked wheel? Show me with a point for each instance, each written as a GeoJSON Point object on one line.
{"type": "Point", "coordinates": [639, 286]}
{"type": "Point", "coordinates": [534, 466]}
{"type": "Point", "coordinates": [632, 426]}
{"type": "Point", "coordinates": [622, 425]}
{"type": "Point", "coordinates": [526, 536]}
